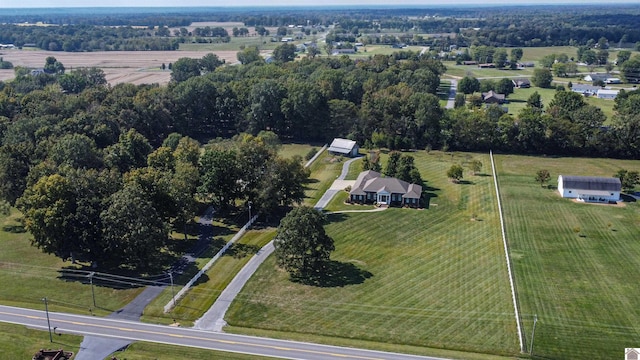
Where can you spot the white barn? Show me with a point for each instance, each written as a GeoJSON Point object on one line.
{"type": "Point", "coordinates": [589, 188]}
{"type": "Point", "coordinates": [344, 147]}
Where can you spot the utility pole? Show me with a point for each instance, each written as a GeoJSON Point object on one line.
{"type": "Point", "coordinates": [249, 203]}
{"type": "Point", "coordinates": [93, 294]}
{"type": "Point", "coordinates": [533, 333]}
{"type": "Point", "coordinates": [46, 310]}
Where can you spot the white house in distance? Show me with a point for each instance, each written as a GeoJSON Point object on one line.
{"type": "Point", "coordinates": [607, 94]}
{"type": "Point", "coordinates": [344, 147]}
{"type": "Point", "coordinates": [590, 188]}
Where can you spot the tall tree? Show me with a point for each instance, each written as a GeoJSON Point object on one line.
{"type": "Point", "coordinates": [134, 231]}
{"type": "Point", "coordinates": [302, 247]}
{"type": "Point", "coordinates": [542, 78]}
{"type": "Point", "coordinates": [393, 163]}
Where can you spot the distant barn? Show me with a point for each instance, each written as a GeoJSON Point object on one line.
{"type": "Point", "coordinates": [344, 147]}
{"type": "Point", "coordinates": [590, 188]}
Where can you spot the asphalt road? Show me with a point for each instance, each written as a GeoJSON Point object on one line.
{"type": "Point", "coordinates": [136, 331]}
{"type": "Point", "coordinates": [452, 94]}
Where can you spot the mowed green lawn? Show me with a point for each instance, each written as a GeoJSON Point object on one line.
{"type": "Point", "coordinates": [582, 286]}
{"type": "Point", "coordinates": [430, 278]}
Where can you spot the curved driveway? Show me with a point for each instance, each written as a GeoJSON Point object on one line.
{"type": "Point", "coordinates": [213, 319]}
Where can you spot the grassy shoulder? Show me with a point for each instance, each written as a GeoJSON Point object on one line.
{"type": "Point", "coordinates": [573, 262]}
{"type": "Point", "coordinates": [20, 342]}
{"type": "Point", "coordinates": [363, 344]}
{"type": "Point", "coordinates": [428, 278]}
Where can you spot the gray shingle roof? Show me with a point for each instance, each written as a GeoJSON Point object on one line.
{"type": "Point", "coordinates": [371, 181]}
{"type": "Point", "coordinates": [590, 183]}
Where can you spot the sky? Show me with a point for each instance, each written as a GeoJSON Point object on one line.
{"type": "Point", "coordinates": [187, 3]}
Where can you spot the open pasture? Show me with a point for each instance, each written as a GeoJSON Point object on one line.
{"type": "Point", "coordinates": [576, 265]}
{"type": "Point", "coordinates": [434, 277]}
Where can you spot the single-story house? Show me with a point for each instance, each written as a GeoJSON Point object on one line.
{"type": "Point", "coordinates": [344, 147]}
{"type": "Point", "coordinates": [597, 77]}
{"type": "Point", "coordinates": [586, 90]}
{"type": "Point", "coordinates": [522, 83]}
{"type": "Point", "coordinates": [493, 97]}
{"type": "Point", "coordinates": [613, 80]}
{"type": "Point", "coordinates": [607, 94]}
{"type": "Point", "coordinates": [590, 188]}
{"type": "Point", "coordinates": [487, 66]}
{"type": "Point", "coordinates": [526, 64]}
{"type": "Point", "coordinates": [631, 354]}
{"type": "Point", "coordinates": [469, 62]}
{"type": "Point", "coordinates": [371, 187]}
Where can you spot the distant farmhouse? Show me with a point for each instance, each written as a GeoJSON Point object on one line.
{"type": "Point", "coordinates": [586, 90]}
{"type": "Point", "coordinates": [590, 188]}
{"type": "Point", "coordinates": [370, 187]}
{"type": "Point", "coordinates": [522, 83]}
{"type": "Point", "coordinates": [607, 94]}
{"type": "Point", "coordinates": [493, 97]}
{"type": "Point", "coordinates": [605, 78]}
{"type": "Point", "coordinates": [344, 147]}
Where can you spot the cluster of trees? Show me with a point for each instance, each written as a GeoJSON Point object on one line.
{"type": "Point", "coordinates": [97, 181]}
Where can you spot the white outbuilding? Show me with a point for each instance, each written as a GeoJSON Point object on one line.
{"type": "Point", "coordinates": [590, 188]}
{"type": "Point", "coordinates": [344, 147]}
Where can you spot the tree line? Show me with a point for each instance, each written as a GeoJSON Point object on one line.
{"type": "Point", "coordinates": [76, 156]}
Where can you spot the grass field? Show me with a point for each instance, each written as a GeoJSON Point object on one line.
{"type": "Point", "coordinates": [324, 170]}
{"type": "Point", "coordinates": [290, 150]}
{"type": "Point", "coordinates": [27, 275]}
{"type": "Point", "coordinates": [576, 265]}
{"type": "Point", "coordinates": [429, 278]}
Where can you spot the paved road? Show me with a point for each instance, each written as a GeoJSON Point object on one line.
{"type": "Point", "coordinates": [213, 319]}
{"type": "Point", "coordinates": [136, 331]}
{"type": "Point", "coordinates": [452, 94]}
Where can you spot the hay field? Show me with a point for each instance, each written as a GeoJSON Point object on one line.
{"type": "Point", "coordinates": [136, 67]}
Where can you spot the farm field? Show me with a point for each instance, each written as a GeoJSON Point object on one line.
{"type": "Point", "coordinates": [576, 265]}
{"type": "Point", "coordinates": [427, 278]}
{"type": "Point", "coordinates": [136, 67]}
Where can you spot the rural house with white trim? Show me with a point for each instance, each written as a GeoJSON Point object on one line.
{"type": "Point", "coordinates": [371, 187]}
{"type": "Point", "coordinates": [590, 188]}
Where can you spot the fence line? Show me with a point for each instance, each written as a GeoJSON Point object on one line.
{"type": "Point", "coordinates": [208, 266]}
{"type": "Point", "coordinates": [506, 253]}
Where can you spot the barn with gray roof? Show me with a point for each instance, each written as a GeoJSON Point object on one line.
{"type": "Point", "coordinates": [590, 188]}
{"type": "Point", "coordinates": [344, 147]}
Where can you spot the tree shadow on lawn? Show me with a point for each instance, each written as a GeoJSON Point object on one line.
{"type": "Point", "coordinates": [336, 217]}
{"type": "Point", "coordinates": [238, 251]}
{"type": "Point", "coordinates": [335, 274]}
